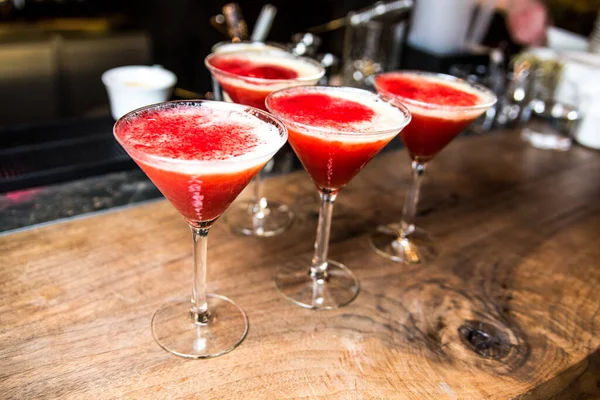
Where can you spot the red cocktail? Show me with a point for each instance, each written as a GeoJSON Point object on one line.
{"type": "Point", "coordinates": [330, 160]}
{"type": "Point", "coordinates": [441, 109]}
{"type": "Point", "coordinates": [184, 135]}
{"type": "Point", "coordinates": [200, 155]}
{"type": "Point", "coordinates": [242, 69]}
{"type": "Point", "coordinates": [335, 132]}
{"type": "Point", "coordinates": [441, 106]}
{"type": "Point", "coordinates": [248, 76]}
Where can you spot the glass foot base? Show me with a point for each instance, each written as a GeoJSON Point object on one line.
{"type": "Point", "coordinates": [273, 220]}
{"type": "Point", "coordinates": [174, 330]}
{"type": "Point", "coordinates": [339, 288]}
{"type": "Point", "coordinates": [417, 248]}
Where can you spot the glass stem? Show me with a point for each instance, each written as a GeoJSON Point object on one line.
{"type": "Point", "coordinates": [216, 89]}
{"type": "Point", "coordinates": [259, 200]}
{"type": "Point", "coordinates": [199, 310]}
{"type": "Point", "coordinates": [409, 212]}
{"type": "Point", "coordinates": [318, 270]}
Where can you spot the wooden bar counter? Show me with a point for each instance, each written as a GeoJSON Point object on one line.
{"type": "Point", "coordinates": [510, 309]}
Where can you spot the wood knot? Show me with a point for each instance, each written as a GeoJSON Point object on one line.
{"type": "Point", "coordinates": [485, 339]}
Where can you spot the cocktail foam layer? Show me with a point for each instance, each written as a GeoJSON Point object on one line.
{"type": "Point", "coordinates": [164, 136]}
{"type": "Point", "coordinates": [386, 119]}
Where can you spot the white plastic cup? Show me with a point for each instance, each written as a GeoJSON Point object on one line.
{"type": "Point", "coordinates": [136, 86]}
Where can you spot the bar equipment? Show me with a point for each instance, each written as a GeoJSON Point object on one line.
{"type": "Point", "coordinates": [550, 120]}
{"type": "Point", "coordinates": [263, 23]}
{"type": "Point", "coordinates": [373, 41]}
{"type": "Point", "coordinates": [237, 29]}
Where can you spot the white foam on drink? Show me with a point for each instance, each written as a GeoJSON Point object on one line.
{"type": "Point", "coordinates": [232, 158]}
{"type": "Point", "coordinates": [388, 120]}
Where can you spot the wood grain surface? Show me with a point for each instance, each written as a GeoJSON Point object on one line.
{"type": "Point", "coordinates": [510, 310]}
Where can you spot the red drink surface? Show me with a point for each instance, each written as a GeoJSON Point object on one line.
{"type": "Point", "coordinates": [244, 67]}
{"type": "Point", "coordinates": [322, 110]}
{"type": "Point", "coordinates": [425, 90]}
{"type": "Point", "coordinates": [188, 134]}
{"type": "Point", "coordinates": [430, 131]}
{"type": "Point", "coordinates": [331, 159]}
{"type": "Point", "coordinates": [248, 77]}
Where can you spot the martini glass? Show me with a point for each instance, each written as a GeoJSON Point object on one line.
{"type": "Point", "coordinates": [200, 155]}
{"type": "Point", "coordinates": [248, 76]}
{"type": "Point", "coordinates": [227, 46]}
{"type": "Point", "coordinates": [442, 106]}
{"type": "Point", "coordinates": [335, 132]}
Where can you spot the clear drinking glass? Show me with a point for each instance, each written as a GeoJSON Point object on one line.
{"type": "Point", "coordinates": [550, 118]}
{"type": "Point", "coordinates": [551, 125]}
{"type": "Point", "coordinates": [261, 217]}
{"type": "Point", "coordinates": [210, 325]}
{"type": "Point", "coordinates": [370, 48]}
{"type": "Point", "coordinates": [432, 127]}
{"type": "Point", "coordinates": [332, 155]}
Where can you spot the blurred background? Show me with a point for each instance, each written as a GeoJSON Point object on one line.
{"type": "Point", "coordinates": [53, 52]}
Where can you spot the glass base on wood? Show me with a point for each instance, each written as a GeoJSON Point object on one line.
{"type": "Point", "coordinates": [272, 220]}
{"type": "Point", "coordinates": [175, 331]}
{"type": "Point", "coordinates": [339, 288]}
{"type": "Point", "coordinates": [415, 248]}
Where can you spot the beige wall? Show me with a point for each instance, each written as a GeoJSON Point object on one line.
{"type": "Point", "coordinates": [45, 78]}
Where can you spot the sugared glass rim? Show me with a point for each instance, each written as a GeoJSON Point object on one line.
{"type": "Point", "coordinates": [216, 105]}
{"type": "Point", "coordinates": [348, 132]}
{"type": "Point", "coordinates": [484, 92]}
{"type": "Point", "coordinates": [279, 53]}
